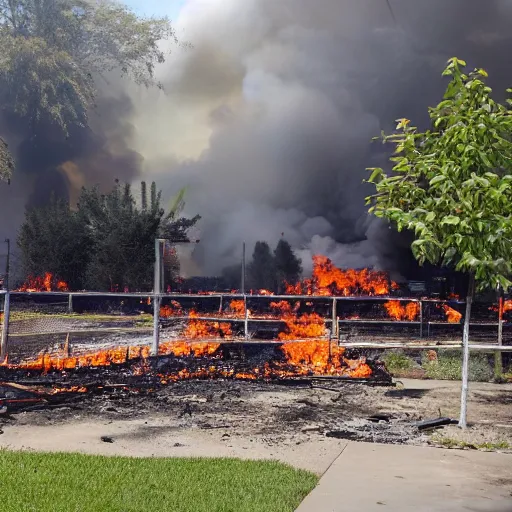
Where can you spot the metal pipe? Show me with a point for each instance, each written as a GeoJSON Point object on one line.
{"type": "Point", "coordinates": [309, 298]}
{"type": "Point", "coordinates": [242, 288]}
{"type": "Point", "coordinates": [234, 319]}
{"type": "Point", "coordinates": [498, 359]}
{"type": "Point", "coordinates": [70, 303]}
{"type": "Point", "coordinates": [465, 355]}
{"type": "Point", "coordinates": [4, 342]}
{"type": "Point", "coordinates": [4, 350]}
{"type": "Point", "coordinates": [421, 320]}
{"type": "Point", "coordinates": [334, 327]}
{"type": "Point", "coordinates": [246, 322]}
{"type": "Point", "coordinates": [157, 298]}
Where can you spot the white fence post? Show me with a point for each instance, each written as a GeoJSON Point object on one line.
{"type": "Point", "coordinates": [157, 298]}
{"type": "Point", "coordinates": [5, 328]}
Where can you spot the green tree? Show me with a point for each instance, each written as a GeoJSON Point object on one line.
{"type": "Point", "coordinates": [288, 266]}
{"type": "Point", "coordinates": [261, 271]}
{"type": "Point", "coordinates": [452, 187]}
{"type": "Point", "coordinates": [106, 244]}
{"type": "Point", "coordinates": [123, 237]}
{"type": "Point", "coordinates": [54, 239]}
{"type": "Point", "coordinates": [6, 161]}
{"type": "Point", "coordinates": [53, 51]}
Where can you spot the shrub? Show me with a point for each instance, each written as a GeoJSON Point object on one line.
{"type": "Point", "coordinates": [447, 365]}
{"type": "Point", "coordinates": [398, 362]}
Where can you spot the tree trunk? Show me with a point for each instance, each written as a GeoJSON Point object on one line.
{"type": "Point", "coordinates": [465, 354]}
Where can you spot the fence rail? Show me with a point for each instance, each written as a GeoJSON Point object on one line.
{"type": "Point", "coordinates": [35, 322]}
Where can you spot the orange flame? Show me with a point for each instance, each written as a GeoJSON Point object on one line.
{"type": "Point", "coordinates": [201, 329]}
{"type": "Point", "coordinates": [237, 308]}
{"type": "Point", "coordinates": [323, 358]}
{"type": "Point", "coordinates": [308, 325]}
{"type": "Point", "coordinates": [398, 311]}
{"type": "Point", "coordinates": [453, 316]}
{"type": "Point", "coordinates": [46, 283]}
{"type": "Point", "coordinates": [318, 357]}
{"type": "Point", "coordinates": [329, 280]}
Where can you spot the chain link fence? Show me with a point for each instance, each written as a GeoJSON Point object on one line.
{"type": "Point", "coordinates": [72, 324]}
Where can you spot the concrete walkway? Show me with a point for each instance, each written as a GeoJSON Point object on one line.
{"type": "Point", "coordinates": [370, 477]}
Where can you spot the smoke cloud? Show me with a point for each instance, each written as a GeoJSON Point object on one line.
{"type": "Point", "coordinates": [268, 117]}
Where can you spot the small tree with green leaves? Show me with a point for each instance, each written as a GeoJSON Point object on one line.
{"type": "Point", "coordinates": [452, 187]}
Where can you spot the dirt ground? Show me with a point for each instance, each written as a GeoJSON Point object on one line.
{"type": "Point", "coordinates": [301, 425]}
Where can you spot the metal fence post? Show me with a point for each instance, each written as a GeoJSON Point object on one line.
{"type": "Point", "coordinates": [243, 270]}
{"type": "Point", "coordinates": [157, 298]}
{"type": "Point", "coordinates": [246, 322]}
{"type": "Point", "coordinates": [421, 320]}
{"type": "Point", "coordinates": [70, 303]}
{"type": "Point", "coordinates": [465, 355]}
{"type": "Point", "coordinates": [4, 352]}
{"type": "Point", "coordinates": [334, 327]}
{"type": "Point", "coordinates": [498, 355]}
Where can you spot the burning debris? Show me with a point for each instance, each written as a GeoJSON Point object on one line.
{"type": "Point", "coordinates": [452, 315]}
{"type": "Point", "coordinates": [397, 311]}
{"type": "Point", "coordinates": [330, 281]}
{"type": "Point", "coordinates": [46, 283]}
{"type": "Point", "coordinates": [288, 360]}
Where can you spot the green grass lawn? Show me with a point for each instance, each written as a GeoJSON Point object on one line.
{"type": "Point", "coordinates": [81, 483]}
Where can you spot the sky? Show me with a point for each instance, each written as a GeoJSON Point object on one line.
{"type": "Point", "coordinates": [169, 8]}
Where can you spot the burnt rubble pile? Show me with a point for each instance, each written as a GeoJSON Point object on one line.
{"type": "Point", "coordinates": [22, 389]}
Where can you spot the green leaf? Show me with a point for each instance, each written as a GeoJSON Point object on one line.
{"type": "Point", "coordinates": [430, 217]}
{"type": "Point", "coordinates": [377, 173]}
{"type": "Point", "coordinates": [450, 220]}
{"type": "Point", "coordinates": [485, 159]}
{"type": "Point", "coordinates": [438, 179]}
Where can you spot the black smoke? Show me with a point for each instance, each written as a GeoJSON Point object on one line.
{"type": "Point", "coordinates": [268, 119]}
{"type": "Point", "coordinates": [269, 116]}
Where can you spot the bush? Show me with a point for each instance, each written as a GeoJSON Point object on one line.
{"type": "Point", "coordinates": [398, 362]}
{"type": "Point", "coordinates": [447, 365]}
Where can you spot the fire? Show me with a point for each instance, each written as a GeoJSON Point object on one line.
{"type": "Point", "coordinates": [398, 311]}
{"type": "Point", "coordinates": [329, 280]}
{"type": "Point", "coordinates": [46, 283]}
{"type": "Point", "coordinates": [507, 306]}
{"type": "Point", "coordinates": [308, 325]}
{"type": "Point", "coordinates": [317, 357]}
{"type": "Point", "coordinates": [201, 329]}
{"type": "Point", "coordinates": [264, 292]}
{"type": "Point", "coordinates": [322, 358]}
{"type": "Point", "coordinates": [115, 356]}
{"type": "Point", "coordinates": [237, 308]}
{"type": "Point", "coordinates": [183, 348]}
{"type": "Point", "coordinates": [168, 311]}
{"type": "Point", "coordinates": [453, 316]}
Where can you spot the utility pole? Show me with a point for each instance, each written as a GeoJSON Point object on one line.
{"type": "Point", "coordinates": [7, 303]}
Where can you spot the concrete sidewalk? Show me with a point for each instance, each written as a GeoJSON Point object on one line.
{"type": "Point", "coordinates": [370, 477]}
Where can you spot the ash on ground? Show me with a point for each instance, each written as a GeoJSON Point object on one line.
{"type": "Point", "coordinates": [269, 412]}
